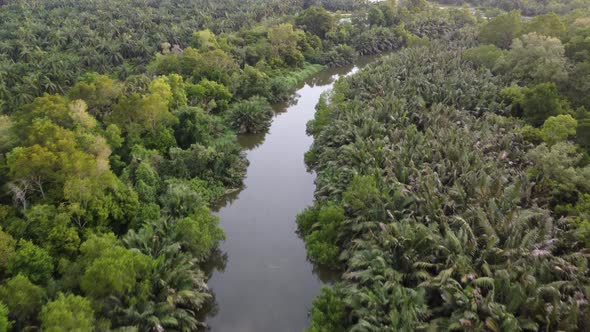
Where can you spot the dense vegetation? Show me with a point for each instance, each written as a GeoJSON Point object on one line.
{"type": "Point", "coordinates": [528, 7]}
{"type": "Point", "coordinates": [453, 184]}
{"type": "Point", "coordinates": [118, 132]}
{"type": "Point", "coordinates": [453, 177]}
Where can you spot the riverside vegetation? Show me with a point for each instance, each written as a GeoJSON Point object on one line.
{"type": "Point", "coordinates": [118, 131]}
{"type": "Point", "coordinates": [452, 176]}
{"type": "Point", "coordinates": [453, 183]}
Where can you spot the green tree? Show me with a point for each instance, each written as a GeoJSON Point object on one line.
{"type": "Point", "coordinates": [199, 232]}
{"type": "Point", "coordinates": [7, 249]}
{"type": "Point", "coordinates": [376, 16]}
{"type": "Point", "coordinates": [5, 323]}
{"type": "Point", "coordinates": [67, 313]}
{"type": "Point", "coordinates": [283, 40]}
{"type": "Point", "coordinates": [547, 25]}
{"type": "Point", "coordinates": [100, 92]}
{"type": "Point", "coordinates": [212, 96]}
{"type": "Point", "coordinates": [484, 55]}
{"type": "Point", "coordinates": [250, 116]}
{"type": "Point", "coordinates": [541, 102]}
{"type": "Point", "coordinates": [535, 58]}
{"type": "Point", "coordinates": [558, 128]}
{"type": "Point", "coordinates": [32, 262]}
{"type": "Point", "coordinates": [109, 269]}
{"type": "Point", "coordinates": [501, 30]}
{"type": "Point", "coordinates": [328, 312]}
{"type": "Point", "coordinates": [205, 40]}
{"type": "Point", "coordinates": [197, 126]}
{"type": "Point", "coordinates": [316, 20]}
{"type": "Point", "coordinates": [578, 46]}
{"type": "Point", "coordinates": [23, 298]}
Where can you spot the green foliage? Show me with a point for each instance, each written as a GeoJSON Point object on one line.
{"type": "Point", "coordinates": [199, 232]}
{"type": "Point", "coordinates": [541, 102]}
{"type": "Point", "coordinates": [109, 269]}
{"type": "Point", "coordinates": [31, 261]}
{"type": "Point", "coordinates": [5, 323]}
{"type": "Point", "coordinates": [485, 55]}
{"type": "Point", "coordinates": [501, 30]}
{"type": "Point", "coordinates": [340, 55]}
{"type": "Point", "coordinates": [23, 298]}
{"type": "Point", "coordinates": [321, 116]}
{"type": "Point", "coordinates": [559, 170]}
{"type": "Point", "coordinates": [376, 16]}
{"type": "Point", "coordinates": [205, 40]}
{"type": "Point", "coordinates": [67, 313]}
{"type": "Point", "coordinates": [7, 249]}
{"type": "Point", "coordinates": [212, 96]}
{"type": "Point", "coordinates": [316, 20]}
{"type": "Point", "coordinates": [45, 54]}
{"type": "Point", "coordinates": [250, 116]}
{"type": "Point", "coordinates": [558, 128]}
{"type": "Point", "coordinates": [328, 313]}
{"type": "Point", "coordinates": [197, 126]}
{"type": "Point", "coordinates": [98, 91]}
{"type": "Point", "coordinates": [362, 193]}
{"type": "Point", "coordinates": [535, 58]}
{"type": "Point", "coordinates": [445, 207]}
{"type": "Point", "coordinates": [547, 25]}
{"type": "Point", "coordinates": [578, 46]}
{"type": "Point", "coordinates": [321, 226]}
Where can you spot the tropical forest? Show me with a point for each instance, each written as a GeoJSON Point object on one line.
{"type": "Point", "coordinates": [294, 165]}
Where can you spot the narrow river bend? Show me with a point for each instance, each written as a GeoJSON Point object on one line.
{"type": "Point", "coordinates": [267, 283]}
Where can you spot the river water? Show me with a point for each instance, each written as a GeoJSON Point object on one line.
{"type": "Point", "coordinates": [267, 283]}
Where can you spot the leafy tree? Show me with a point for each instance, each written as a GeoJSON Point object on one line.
{"type": "Point", "coordinates": [210, 95]}
{"type": "Point", "coordinates": [328, 312]}
{"type": "Point", "coordinates": [283, 40]}
{"type": "Point", "coordinates": [179, 199]}
{"type": "Point", "coordinates": [23, 298]}
{"type": "Point", "coordinates": [205, 40]}
{"type": "Point", "coordinates": [52, 230]}
{"type": "Point", "coordinates": [501, 30]}
{"type": "Point", "coordinates": [316, 20]}
{"type": "Point", "coordinates": [578, 46]}
{"type": "Point", "coordinates": [376, 16]}
{"type": "Point", "coordinates": [340, 55]}
{"type": "Point", "coordinates": [485, 55]}
{"type": "Point", "coordinates": [541, 102]}
{"type": "Point", "coordinates": [216, 65]}
{"type": "Point", "coordinates": [535, 58]}
{"type": "Point", "coordinates": [178, 89]}
{"type": "Point", "coordinates": [7, 249]}
{"type": "Point", "coordinates": [558, 128]}
{"type": "Point", "coordinates": [67, 313]}
{"type": "Point", "coordinates": [8, 138]}
{"type": "Point", "coordinates": [199, 232]}
{"type": "Point", "coordinates": [250, 116]}
{"type": "Point", "coordinates": [5, 323]}
{"type": "Point", "coordinates": [581, 220]}
{"type": "Point", "coordinates": [100, 92]}
{"type": "Point", "coordinates": [547, 25]}
{"type": "Point", "coordinates": [321, 227]}
{"type": "Point", "coordinates": [32, 262]}
{"type": "Point", "coordinates": [109, 269]}
{"type": "Point", "coordinates": [252, 82]}
{"type": "Point", "coordinates": [557, 170]}
{"type": "Point", "coordinates": [196, 126]}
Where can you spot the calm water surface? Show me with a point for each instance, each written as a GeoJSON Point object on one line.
{"type": "Point", "coordinates": [267, 283]}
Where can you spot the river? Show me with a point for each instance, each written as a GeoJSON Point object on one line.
{"type": "Point", "coordinates": [267, 283]}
